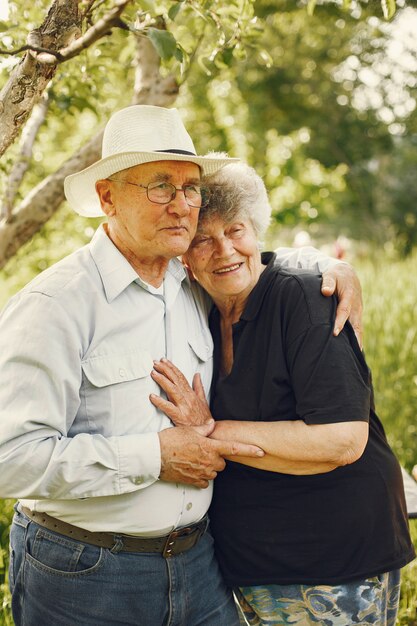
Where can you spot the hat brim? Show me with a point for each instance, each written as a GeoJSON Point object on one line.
{"type": "Point", "coordinates": [80, 188]}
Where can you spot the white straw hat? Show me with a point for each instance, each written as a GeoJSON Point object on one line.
{"type": "Point", "coordinates": [135, 135]}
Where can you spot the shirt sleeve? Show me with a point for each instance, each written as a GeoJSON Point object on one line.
{"type": "Point", "coordinates": [41, 375]}
{"type": "Point", "coordinates": [307, 258]}
{"type": "Point", "coordinates": [329, 376]}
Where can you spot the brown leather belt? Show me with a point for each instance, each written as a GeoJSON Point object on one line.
{"type": "Point", "coordinates": [173, 544]}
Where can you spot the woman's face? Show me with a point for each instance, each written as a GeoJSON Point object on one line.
{"type": "Point", "coordinates": [224, 257]}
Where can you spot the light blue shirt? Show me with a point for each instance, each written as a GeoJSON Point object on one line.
{"type": "Point", "coordinates": [78, 434]}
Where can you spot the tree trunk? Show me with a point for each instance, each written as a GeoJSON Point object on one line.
{"type": "Point", "coordinates": [30, 78]}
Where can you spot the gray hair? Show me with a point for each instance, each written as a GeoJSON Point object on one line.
{"type": "Point", "coordinates": [237, 191]}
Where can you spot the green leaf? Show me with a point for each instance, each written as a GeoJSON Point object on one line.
{"type": "Point", "coordinates": [388, 8]}
{"type": "Point", "coordinates": [311, 6]}
{"type": "Point", "coordinates": [174, 10]}
{"type": "Point", "coordinates": [227, 56]}
{"type": "Point", "coordinates": [147, 6]}
{"type": "Point", "coordinates": [4, 26]}
{"type": "Point", "coordinates": [179, 54]}
{"type": "Point", "coordinates": [163, 41]}
{"type": "Point", "coordinates": [82, 103]}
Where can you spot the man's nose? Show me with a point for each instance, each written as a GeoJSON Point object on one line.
{"type": "Point", "coordinates": [179, 204]}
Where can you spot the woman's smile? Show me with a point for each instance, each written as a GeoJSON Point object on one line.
{"type": "Point", "coordinates": [227, 269]}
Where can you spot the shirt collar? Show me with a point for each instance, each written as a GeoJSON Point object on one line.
{"type": "Point", "coordinates": [257, 294]}
{"type": "Point", "coordinates": [115, 270]}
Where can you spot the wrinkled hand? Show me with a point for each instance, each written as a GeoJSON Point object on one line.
{"type": "Point", "coordinates": [189, 456]}
{"type": "Point", "coordinates": [185, 406]}
{"type": "Point", "coordinates": [342, 280]}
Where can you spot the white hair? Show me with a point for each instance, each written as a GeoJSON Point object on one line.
{"type": "Point", "coordinates": [236, 190]}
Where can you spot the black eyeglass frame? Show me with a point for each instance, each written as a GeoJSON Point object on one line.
{"type": "Point", "coordinates": [204, 192]}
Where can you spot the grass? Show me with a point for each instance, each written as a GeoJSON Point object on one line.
{"type": "Point", "coordinates": [390, 298]}
{"type": "Point", "coordinates": [390, 295]}
{"type": "Point", "coordinates": [6, 512]}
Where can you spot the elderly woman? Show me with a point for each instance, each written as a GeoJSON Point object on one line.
{"type": "Point", "coordinates": [314, 532]}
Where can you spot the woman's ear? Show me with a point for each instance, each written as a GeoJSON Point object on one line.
{"type": "Point", "coordinates": [187, 267]}
{"type": "Point", "coordinates": [104, 192]}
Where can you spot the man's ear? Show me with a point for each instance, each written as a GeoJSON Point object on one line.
{"type": "Point", "coordinates": [104, 192]}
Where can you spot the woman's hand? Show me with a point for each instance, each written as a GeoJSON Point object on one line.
{"type": "Point", "coordinates": [185, 406]}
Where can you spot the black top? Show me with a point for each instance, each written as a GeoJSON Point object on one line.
{"type": "Point", "coordinates": [331, 528]}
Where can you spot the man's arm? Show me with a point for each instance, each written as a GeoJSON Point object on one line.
{"type": "Point", "coordinates": [304, 258]}
{"type": "Point", "coordinates": [189, 456]}
{"type": "Point", "coordinates": [44, 451]}
{"type": "Point", "coordinates": [338, 277]}
{"type": "Point", "coordinates": [41, 347]}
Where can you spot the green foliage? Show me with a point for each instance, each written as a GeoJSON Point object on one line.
{"type": "Point", "coordinates": [388, 7]}
{"type": "Point", "coordinates": [298, 108]}
{"type": "Point", "coordinates": [390, 296]}
{"type": "Point", "coordinates": [314, 103]}
{"type": "Point", "coordinates": [407, 614]}
{"type": "Point", "coordinates": [6, 513]}
{"type": "Point", "coordinates": [163, 42]}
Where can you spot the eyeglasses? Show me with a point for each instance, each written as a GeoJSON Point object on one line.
{"type": "Point", "coordinates": [163, 192]}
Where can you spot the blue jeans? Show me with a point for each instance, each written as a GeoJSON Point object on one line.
{"type": "Point", "coordinates": [55, 580]}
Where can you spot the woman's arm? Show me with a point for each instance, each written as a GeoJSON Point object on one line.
{"type": "Point", "coordinates": [294, 447]}
{"type": "Point", "coordinates": [291, 447]}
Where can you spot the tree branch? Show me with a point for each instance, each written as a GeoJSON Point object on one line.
{"type": "Point", "coordinates": [99, 30]}
{"type": "Point", "coordinates": [23, 159]}
{"type": "Point", "coordinates": [43, 201]}
{"type": "Point", "coordinates": [149, 86]}
{"type": "Point", "coordinates": [31, 48]}
{"type": "Point", "coordinates": [30, 78]}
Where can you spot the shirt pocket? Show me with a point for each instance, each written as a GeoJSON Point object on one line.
{"type": "Point", "coordinates": [116, 390]}
{"type": "Point", "coordinates": [114, 369]}
{"type": "Point", "coordinates": [202, 353]}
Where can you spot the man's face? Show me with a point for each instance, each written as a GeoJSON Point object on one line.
{"type": "Point", "coordinates": [143, 230]}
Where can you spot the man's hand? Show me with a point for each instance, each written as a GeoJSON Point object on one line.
{"type": "Point", "coordinates": [185, 406]}
{"type": "Point", "coordinates": [414, 472]}
{"type": "Point", "coordinates": [189, 456]}
{"type": "Point", "coordinates": [342, 280]}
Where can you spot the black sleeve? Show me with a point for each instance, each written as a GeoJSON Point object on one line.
{"type": "Point", "coordinates": [329, 375]}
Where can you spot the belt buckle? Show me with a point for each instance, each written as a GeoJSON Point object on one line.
{"type": "Point", "coordinates": [198, 530]}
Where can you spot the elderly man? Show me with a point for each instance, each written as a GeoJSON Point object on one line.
{"type": "Point", "coordinates": [111, 523]}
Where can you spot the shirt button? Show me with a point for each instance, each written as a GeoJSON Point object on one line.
{"type": "Point", "coordinates": [189, 506]}
{"type": "Point", "coordinates": [122, 373]}
{"type": "Point", "coordinates": [138, 480]}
